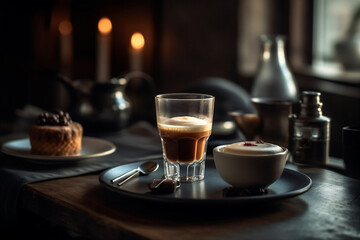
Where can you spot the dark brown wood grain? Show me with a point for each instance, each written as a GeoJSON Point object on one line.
{"type": "Point", "coordinates": [329, 210]}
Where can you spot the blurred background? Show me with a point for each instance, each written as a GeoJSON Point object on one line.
{"type": "Point", "coordinates": [184, 42]}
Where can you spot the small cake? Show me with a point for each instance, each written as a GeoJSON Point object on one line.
{"type": "Point", "coordinates": [55, 134]}
{"type": "Point", "coordinates": [252, 147]}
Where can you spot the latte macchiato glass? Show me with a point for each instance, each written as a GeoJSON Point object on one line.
{"type": "Point", "coordinates": [184, 123]}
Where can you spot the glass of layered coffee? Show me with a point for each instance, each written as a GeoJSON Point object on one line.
{"type": "Point", "coordinates": [184, 122]}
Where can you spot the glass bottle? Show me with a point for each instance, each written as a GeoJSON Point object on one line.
{"type": "Point", "coordinates": [309, 133]}
{"type": "Point", "coordinates": [273, 78]}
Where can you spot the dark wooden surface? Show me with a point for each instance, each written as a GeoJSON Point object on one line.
{"type": "Point", "coordinates": [81, 207]}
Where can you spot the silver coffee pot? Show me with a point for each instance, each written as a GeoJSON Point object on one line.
{"type": "Point", "coordinates": [101, 105]}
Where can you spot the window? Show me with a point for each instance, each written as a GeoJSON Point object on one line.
{"type": "Point", "coordinates": [336, 36]}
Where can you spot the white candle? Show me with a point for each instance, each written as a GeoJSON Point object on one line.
{"type": "Point", "coordinates": [103, 50]}
{"type": "Point", "coordinates": [66, 46]}
{"type": "Point", "coordinates": [137, 45]}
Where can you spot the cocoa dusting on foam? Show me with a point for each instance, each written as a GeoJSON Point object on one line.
{"type": "Point", "coordinates": [252, 147]}
{"type": "Point", "coordinates": [249, 144]}
{"type": "Point", "coordinates": [252, 144]}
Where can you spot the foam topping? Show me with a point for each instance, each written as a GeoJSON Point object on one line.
{"type": "Point", "coordinates": [184, 123]}
{"type": "Point", "coordinates": [252, 147]}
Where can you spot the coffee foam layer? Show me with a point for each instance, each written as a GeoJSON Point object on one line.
{"type": "Point", "coordinates": [252, 148]}
{"type": "Point", "coordinates": [185, 123]}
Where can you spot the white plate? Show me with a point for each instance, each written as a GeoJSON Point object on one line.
{"type": "Point", "coordinates": [91, 147]}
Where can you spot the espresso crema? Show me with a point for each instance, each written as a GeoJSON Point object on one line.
{"type": "Point", "coordinates": [184, 138]}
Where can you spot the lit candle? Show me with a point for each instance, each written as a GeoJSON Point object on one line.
{"type": "Point", "coordinates": [66, 46]}
{"type": "Point", "coordinates": [103, 50]}
{"type": "Point", "coordinates": [137, 45]}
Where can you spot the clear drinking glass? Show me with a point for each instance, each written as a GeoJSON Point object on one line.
{"type": "Point", "coordinates": [184, 123]}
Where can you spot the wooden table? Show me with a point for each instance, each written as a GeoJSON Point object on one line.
{"type": "Point", "coordinates": [80, 206]}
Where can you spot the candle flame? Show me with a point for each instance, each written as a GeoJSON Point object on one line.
{"type": "Point", "coordinates": [65, 27]}
{"type": "Point", "coordinates": [137, 41]}
{"type": "Point", "coordinates": [104, 25]}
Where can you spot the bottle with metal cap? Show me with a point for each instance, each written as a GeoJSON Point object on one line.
{"type": "Point", "coordinates": [309, 132]}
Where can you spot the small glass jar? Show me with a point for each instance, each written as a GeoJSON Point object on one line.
{"type": "Point", "coordinates": [309, 133]}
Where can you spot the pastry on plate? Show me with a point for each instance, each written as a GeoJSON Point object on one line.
{"type": "Point", "coordinates": [55, 134]}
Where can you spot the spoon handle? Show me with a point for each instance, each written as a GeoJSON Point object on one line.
{"type": "Point", "coordinates": [128, 178]}
{"type": "Point", "coordinates": [123, 175]}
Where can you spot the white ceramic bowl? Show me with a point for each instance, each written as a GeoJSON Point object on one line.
{"type": "Point", "coordinates": [247, 171]}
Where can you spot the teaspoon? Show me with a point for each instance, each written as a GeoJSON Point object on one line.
{"type": "Point", "coordinates": [144, 169]}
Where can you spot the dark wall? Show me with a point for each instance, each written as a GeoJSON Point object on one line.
{"type": "Point", "coordinates": [16, 53]}
{"type": "Point", "coordinates": [199, 39]}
